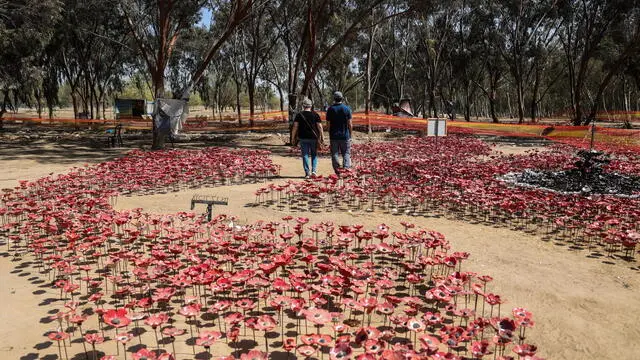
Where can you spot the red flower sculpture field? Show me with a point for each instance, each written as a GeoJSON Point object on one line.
{"type": "Point", "coordinates": [143, 286]}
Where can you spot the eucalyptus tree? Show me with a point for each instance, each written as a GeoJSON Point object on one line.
{"type": "Point", "coordinates": [590, 27]}
{"type": "Point", "coordinates": [50, 82]}
{"type": "Point", "coordinates": [107, 59]}
{"type": "Point", "coordinates": [522, 22]}
{"type": "Point", "coordinates": [443, 54]}
{"type": "Point", "coordinates": [370, 79]}
{"type": "Point", "coordinates": [290, 24]}
{"type": "Point", "coordinates": [234, 54]}
{"type": "Point", "coordinates": [322, 29]}
{"type": "Point", "coordinates": [340, 72]}
{"type": "Point", "coordinates": [545, 69]}
{"type": "Point", "coordinates": [464, 54]}
{"type": "Point", "coordinates": [259, 38]}
{"type": "Point", "coordinates": [486, 41]}
{"type": "Point", "coordinates": [388, 40]}
{"type": "Point", "coordinates": [90, 52]}
{"type": "Point", "coordinates": [600, 37]}
{"type": "Point", "coordinates": [620, 55]}
{"type": "Point", "coordinates": [275, 72]}
{"type": "Point", "coordinates": [25, 29]}
{"type": "Point", "coordinates": [158, 25]}
{"type": "Point", "coordinates": [185, 58]}
{"type": "Point", "coordinates": [216, 89]}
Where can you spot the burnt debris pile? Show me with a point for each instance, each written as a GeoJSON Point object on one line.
{"type": "Point", "coordinates": [587, 177]}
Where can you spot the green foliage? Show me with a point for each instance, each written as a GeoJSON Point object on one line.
{"type": "Point", "coordinates": [195, 100]}
{"type": "Point", "coordinates": [25, 29]}
{"type": "Point", "coordinates": [135, 89]}
{"type": "Point", "coordinates": [64, 95]}
{"type": "Point", "coordinates": [188, 54]}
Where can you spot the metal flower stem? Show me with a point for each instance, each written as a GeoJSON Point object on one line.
{"type": "Point", "coordinates": [281, 326]}
{"type": "Point", "coordinates": [83, 344]}
{"type": "Point", "coordinates": [117, 347]}
{"type": "Point", "coordinates": [173, 345]}
{"type": "Point", "coordinates": [59, 350]}
{"type": "Point", "coordinates": [155, 332]}
{"type": "Point", "coordinates": [191, 331]}
{"type": "Point", "coordinates": [139, 334]}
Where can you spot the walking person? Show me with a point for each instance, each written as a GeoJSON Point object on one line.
{"type": "Point", "coordinates": [340, 132]}
{"type": "Point", "coordinates": [307, 130]}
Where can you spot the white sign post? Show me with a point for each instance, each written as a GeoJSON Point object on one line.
{"type": "Point", "coordinates": [437, 127]}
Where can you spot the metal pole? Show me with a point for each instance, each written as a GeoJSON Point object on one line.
{"type": "Point", "coordinates": [436, 131]}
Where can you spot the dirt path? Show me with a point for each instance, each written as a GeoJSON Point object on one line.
{"type": "Point", "coordinates": [584, 308]}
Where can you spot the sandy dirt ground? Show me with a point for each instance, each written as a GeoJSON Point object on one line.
{"type": "Point", "coordinates": [584, 308]}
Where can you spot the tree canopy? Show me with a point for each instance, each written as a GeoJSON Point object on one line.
{"type": "Point", "coordinates": [521, 59]}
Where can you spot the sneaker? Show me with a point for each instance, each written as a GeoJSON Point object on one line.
{"type": "Point", "coordinates": [313, 174]}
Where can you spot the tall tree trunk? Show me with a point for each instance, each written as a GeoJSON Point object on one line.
{"type": "Point", "coordinates": [3, 108]}
{"type": "Point", "coordinates": [74, 101]}
{"type": "Point", "coordinates": [509, 103]}
{"type": "Point", "coordinates": [97, 97]}
{"type": "Point", "coordinates": [520, 93]}
{"type": "Point", "coordinates": [534, 111]}
{"type": "Point", "coordinates": [281, 95]}
{"type": "Point", "coordinates": [596, 103]}
{"type": "Point", "coordinates": [293, 103]}
{"type": "Point", "coordinates": [251, 89]}
{"type": "Point", "coordinates": [492, 105]}
{"type": "Point", "coordinates": [572, 89]}
{"type": "Point", "coordinates": [425, 95]}
{"type": "Point", "coordinates": [534, 96]}
{"type": "Point", "coordinates": [157, 78]}
{"type": "Point", "coordinates": [467, 104]}
{"type": "Point", "coordinates": [368, 85]}
{"type": "Point", "coordinates": [39, 106]}
{"type": "Point", "coordinates": [86, 100]}
{"type": "Point", "coordinates": [238, 104]}
{"type": "Point", "coordinates": [577, 93]}
{"type": "Point", "coordinates": [49, 98]}
{"type": "Point", "coordinates": [577, 107]}
{"type": "Point", "coordinates": [627, 104]}
{"type": "Point", "coordinates": [433, 107]}
{"type": "Point", "coordinates": [92, 103]}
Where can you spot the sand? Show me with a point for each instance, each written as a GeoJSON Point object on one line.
{"type": "Point", "coordinates": [584, 308]}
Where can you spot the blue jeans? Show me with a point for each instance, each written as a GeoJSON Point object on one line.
{"type": "Point", "coordinates": [340, 147]}
{"type": "Point", "coordinates": [309, 148]}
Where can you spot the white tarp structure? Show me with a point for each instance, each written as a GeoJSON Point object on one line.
{"type": "Point", "coordinates": [169, 116]}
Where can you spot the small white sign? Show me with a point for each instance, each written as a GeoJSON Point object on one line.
{"type": "Point", "coordinates": [437, 127]}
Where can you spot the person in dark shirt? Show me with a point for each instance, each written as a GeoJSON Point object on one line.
{"type": "Point", "coordinates": [340, 132]}
{"type": "Point", "coordinates": [307, 129]}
